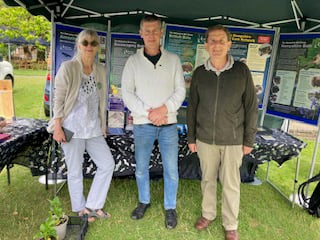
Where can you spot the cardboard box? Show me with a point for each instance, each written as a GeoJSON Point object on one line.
{"type": "Point", "coordinates": [6, 99]}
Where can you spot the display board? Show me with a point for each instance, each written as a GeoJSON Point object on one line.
{"type": "Point", "coordinates": [187, 43]}
{"type": "Point", "coordinates": [251, 46]}
{"type": "Point", "coordinates": [65, 43]}
{"type": "Point", "coordinates": [295, 87]}
{"type": "Point", "coordinates": [123, 45]}
{"type": "Point", "coordinates": [255, 48]}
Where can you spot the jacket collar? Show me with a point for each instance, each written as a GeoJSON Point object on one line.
{"type": "Point", "coordinates": [229, 64]}
{"type": "Point", "coordinates": [78, 60]}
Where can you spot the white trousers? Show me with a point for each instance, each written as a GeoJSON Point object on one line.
{"type": "Point", "coordinates": [100, 153]}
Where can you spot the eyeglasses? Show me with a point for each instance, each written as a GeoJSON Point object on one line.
{"type": "Point", "coordinates": [149, 33]}
{"type": "Point", "coordinates": [216, 42]}
{"type": "Point", "coordinates": [86, 43]}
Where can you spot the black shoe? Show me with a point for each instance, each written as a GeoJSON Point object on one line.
{"type": "Point", "coordinates": [139, 211]}
{"type": "Point", "coordinates": [171, 218]}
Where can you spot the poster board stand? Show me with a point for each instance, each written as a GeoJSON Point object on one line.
{"type": "Point", "coordinates": [314, 156]}
{"type": "Point", "coordinates": [295, 184]}
{"type": "Point", "coordinates": [295, 87]}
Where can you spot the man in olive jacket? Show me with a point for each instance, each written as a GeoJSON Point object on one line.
{"type": "Point", "coordinates": [222, 119]}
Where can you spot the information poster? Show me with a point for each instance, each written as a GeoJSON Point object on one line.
{"type": "Point", "coordinates": [295, 89]}
{"type": "Point", "coordinates": [65, 43]}
{"type": "Point", "coordinates": [122, 46]}
{"type": "Point", "coordinates": [188, 44]}
{"type": "Point", "coordinates": [251, 46]}
{"type": "Point", "coordinates": [254, 47]}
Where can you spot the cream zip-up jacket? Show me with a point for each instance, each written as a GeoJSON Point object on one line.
{"type": "Point", "coordinates": [67, 85]}
{"type": "Point", "coordinates": [145, 86]}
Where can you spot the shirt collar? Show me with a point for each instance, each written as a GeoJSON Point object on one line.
{"type": "Point", "coordinates": [208, 66]}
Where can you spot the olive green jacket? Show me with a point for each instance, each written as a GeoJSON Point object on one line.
{"type": "Point", "coordinates": [222, 109]}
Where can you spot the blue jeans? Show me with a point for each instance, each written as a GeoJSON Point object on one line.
{"type": "Point", "coordinates": [144, 137]}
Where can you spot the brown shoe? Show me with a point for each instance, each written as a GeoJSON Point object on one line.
{"type": "Point", "coordinates": [232, 235]}
{"type": "Point", "coordinates": [202, 223]}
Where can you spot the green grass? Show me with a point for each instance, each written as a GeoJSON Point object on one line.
{"type": "Point", "coordinates": [22, 72]}
{"type": "Point", "coordinates": [28, 93]}
{"type": "Point", "coordinates": [264, 213]}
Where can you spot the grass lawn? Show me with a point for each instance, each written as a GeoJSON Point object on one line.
{"type": "Point", "coordinates": [264, 213]}
{"type": "Point", "coordinates": [28, 93]}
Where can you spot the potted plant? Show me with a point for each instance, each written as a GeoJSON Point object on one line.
{"type": "Point", "coordinates": [59, 218]}
{"type": "Point", "coordinates": [47, 230]}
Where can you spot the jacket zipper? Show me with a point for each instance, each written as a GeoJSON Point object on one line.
{"type": "Point", "coordinates": [215, 110]}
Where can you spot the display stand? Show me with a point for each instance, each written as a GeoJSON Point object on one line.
{"type": "Point", "coordinates": [295, 185]}
{"type": "Point", "coordinates": [314, 157]}
{"type": "Point", "coordinates": [256, 182]}
{"type": "Point", "coordinates": [53, 178]}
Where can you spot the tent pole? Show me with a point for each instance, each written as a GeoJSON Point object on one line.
{"type": "Point", "coordinates": [52, 61]}
{"type": "Point", "coordinates": [108, 66]}
{"type": "Point", "coordinates": [9, 52]}
{"type": "Point", "coordinates": [270, 75]}
{"type": "Point", "coordinates": [295, 4]}
{"type": "Point", "coordinates": [313, 28]}
{"type": "Point", "coordinates": [295, 15]}
{"type": "Point", "coordinates": [269, 24]}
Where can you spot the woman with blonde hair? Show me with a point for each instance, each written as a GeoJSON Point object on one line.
{"type": "Point", "coordinates": [80, 106]}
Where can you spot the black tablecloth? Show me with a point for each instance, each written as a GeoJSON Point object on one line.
{"type": "Point", "coordinates": [283, 147]}
{"type": "Point", "coordinates": [32, 133]}
{"type": "Point", "coordinates": [122, 149]}
{"type": "Point", "coordinates": [25, 136]}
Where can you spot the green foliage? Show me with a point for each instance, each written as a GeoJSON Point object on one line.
{"type": "Point", "coordinates": [47, 230]}
{"type": "Point", "coordinates": [56, 211]}
{"type": "Point", "coordinates": [56, 217]}
{"type": "Point", "coordinates": [308, 61]}
{"type": "Point", "coordinates": [3, 49]}
{"type": "Point", "coordinates": [18, 22]}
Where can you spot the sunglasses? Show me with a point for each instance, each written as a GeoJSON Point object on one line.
{"type": "Point", "coordinates": [86, 43]}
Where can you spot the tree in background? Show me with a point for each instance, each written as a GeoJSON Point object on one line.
{"type": "Point", "coordinates": [17, 22]}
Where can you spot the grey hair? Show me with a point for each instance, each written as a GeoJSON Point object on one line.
{"type": "Point", "coordinates": [215, 28]}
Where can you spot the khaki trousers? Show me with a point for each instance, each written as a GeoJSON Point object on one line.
{"type": "Point", "coordinates": [221, 162]}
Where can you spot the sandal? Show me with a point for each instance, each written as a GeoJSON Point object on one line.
{"type": "Point", "coordinates": [80, 213]}
{"type": "Point", "coordinates": [96, 213]}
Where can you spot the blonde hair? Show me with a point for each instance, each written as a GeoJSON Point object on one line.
{"type": "Point", "coordinates": [150, 18]}
{"type": "Point", "coordinates": [85, 33]}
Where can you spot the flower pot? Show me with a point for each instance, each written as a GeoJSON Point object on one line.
{"type": "Point", "coordinates": [62, 229]}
